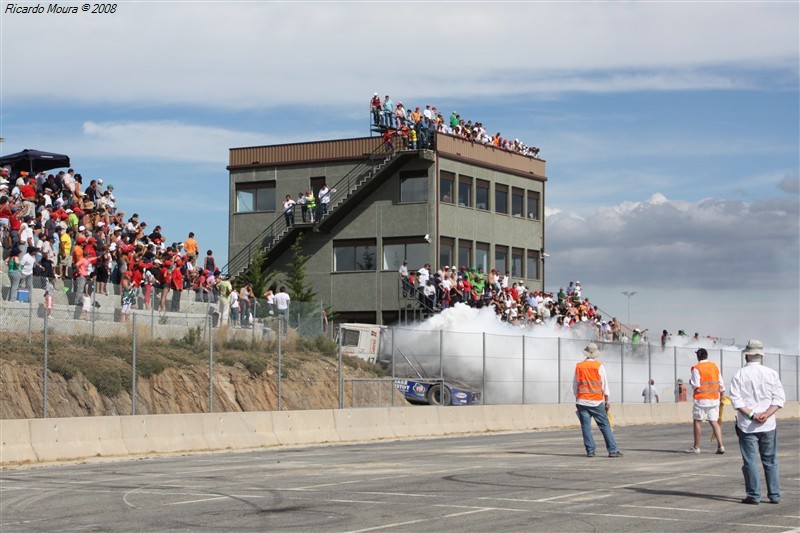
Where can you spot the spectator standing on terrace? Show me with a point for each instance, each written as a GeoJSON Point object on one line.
{"type": "Point", "coordinates": [176, 284]}
{"type": "Point", "coordinates": [324, 197]}
{"type": "Point", "coordinates": [388, 112]}
{"type": "Point", "coordinates": [190, 246]}
{"type": "Point", "coordinates": [270, 296]}
{"type": "Point", "coordinates": [288, 211]}
{"type": "Point", "coordinates": [209, 263]}
{"type": "Point", "coordinates": [649, 393]}
{"type": "Point", "coordinates": [128, 296]}
{"type": "Point", "coordinates": [14, 273]}
{"type": "Point", "coordinates": [301, 201]}
{"type": "Point", "coordinates": [234, 308]}
{"type": "Point", "coordinates": [376, 108]}
{"type": "Point", "coordinates": [244, 304]}
{"type": "Point", "coordinates": [225, 289]}
{"type": "Point", "coordinates": [590, 386]}
{"type": "Point", "coordinates": [282, 301]}
{"type": "Point", "coordinates": [311, 205]}
{"type": "Point", "coordinates": [757, 394]}
{"type": "Point", "coordinates": [403, 273]}
{"type": "Point", "coordinates": [708, 390]}
{"type": "Point", "coordinates": [400, 115]}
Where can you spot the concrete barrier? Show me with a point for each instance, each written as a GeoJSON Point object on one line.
{"type": "Point", "coordinates": [304, 427]}
{"type": "Point", "coordinates": [163, 433]}
{"type": "Point", "coordinates": [363, 424]}
{"type": "Point", "coordinates": [41, 440]}
{"type": "Point", "coordinates": [422, 421]}
{"type": "Point", "coordinates": [55, 439]}
{"type": "Point", "coordinates": [15, 442]}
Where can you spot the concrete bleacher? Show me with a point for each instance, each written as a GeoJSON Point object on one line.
{"type": "Point", "coordinates": [105, 318]}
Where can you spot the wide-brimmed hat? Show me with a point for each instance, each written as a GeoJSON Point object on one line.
{"type": "Point", "coordinates": [754, 347]}
{"type": "Point", "coordinates": [591, 350]}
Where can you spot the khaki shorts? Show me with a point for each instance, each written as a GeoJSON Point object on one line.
{"type": "Point", "coordinates": [705, 413]}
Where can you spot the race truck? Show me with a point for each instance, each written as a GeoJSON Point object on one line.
{"type": "Point", "coordinates": [368, 342]}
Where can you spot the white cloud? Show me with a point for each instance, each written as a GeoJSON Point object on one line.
{"type": "Point", "coordinates": [663, 243]}
{"type": "Point", "coordinates": [255, 55]}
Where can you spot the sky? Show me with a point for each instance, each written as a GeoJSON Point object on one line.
{"type": "Point", "coordinates": [670, 129]}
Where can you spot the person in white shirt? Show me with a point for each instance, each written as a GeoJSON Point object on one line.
{"type": "Point", "coordinates": [757, 394]}
{"type": "Point", "coordinates": [324, 197]}
{"type": "Point", "coordinates": [650, 392]}
{"type": "Point", "coordinates": [282, 301]}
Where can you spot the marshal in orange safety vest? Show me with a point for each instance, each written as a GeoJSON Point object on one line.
{"type": "Point", "coordinates": [590, 385]}
{"type": "Point", "coordinates": [709, 388]}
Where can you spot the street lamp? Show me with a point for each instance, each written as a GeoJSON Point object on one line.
{"type": "Point", "coordinates": [629, 294]}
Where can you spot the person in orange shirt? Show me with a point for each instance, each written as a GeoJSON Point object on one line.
{"type": "Point", "coordinates": [190, 246]}
{"type": "Point", "coordinates": [590, 386]}
{"type": "Point", "coordinates": [708, 390]}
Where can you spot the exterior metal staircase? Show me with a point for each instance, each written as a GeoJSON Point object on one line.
{"type": "Point", "coordinates": [277, 237]}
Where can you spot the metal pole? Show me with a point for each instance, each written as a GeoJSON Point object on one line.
{"type": "Point", "coordinates": [483, 395]}
{"type": "Point", "coordinates": [441, 361]}
{"type": "Point", "coordinates": [675, 368]}
{"type": "Point", "coordinates": [280, 367]}
{"type": "Point", "coordinates": [152, 312]}
{"type": "Point", "coordinates": [394, 377]}
{"type": "Point", "coordinates": [30, 314]}
{"type": "Point", "coordinates": [523, 369]}
{"type": "Point", "coordinates": [649, 366]}
{"type": "Point", "coordinates": [341, 375]}
{"type": "Point", "coordinates": [559, 370]}
{"type": "Point", "coordinates": [210, 364]}
{"type": "Point", "coordinates": [133, 367]}
{"type": "Point", "coordinates": [46, 357]}
{"type": "Point", "coordinates": [797, 378]}
{"type": "Point", "coordinates": [94, 296]}
{"type": "Point", "coordinates": [622, 373]}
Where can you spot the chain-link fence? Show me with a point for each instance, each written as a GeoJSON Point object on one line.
{"type": "Point", "coordinates": [102, 360]}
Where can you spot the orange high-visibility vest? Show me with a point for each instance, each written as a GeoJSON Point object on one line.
{"type": "Point", "coordinates": [709, 388]}
{"type": "Point", "coordinates": [681, 392]}
{"type": "Point", "coordinates": [590, 386]}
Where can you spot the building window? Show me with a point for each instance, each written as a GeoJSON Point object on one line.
{"type": "Point", "coordinates": [254, 197]}
{"type": "Point", "coordinates": [465, 191]}
{"type": "Point", "coordinates": [482, 194]}
{"type": "Point", "coordinates": [446, 247]}
{"type": "Point", "coordinates": [501, 199]}
{"type": "Point", "coordinates": [355, 255]}
{"type": "Point", "coordinates": [533, 205]}
{"type": "Point", "coordinates": [415, 251]}
{"type": "Point", "coordinates": [517, 256]}
{"type": "Point", "coordinates": [533, 264]}
{"type": "Point", "coordinates": [517, 196]}
{"type": "Point", "coordinates": [447, 181]}
{"type": "Point", "coordinates": [413, 187]}
{"type": "Point", "coordinates": [465, 253]}
{"type": "Point", "coordinates": [482, 256]}
{"type": "Point", "coordinates": [501, 259]}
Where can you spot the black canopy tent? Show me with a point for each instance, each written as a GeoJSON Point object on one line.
{"type": "Point", "coordinates": [34, 161]}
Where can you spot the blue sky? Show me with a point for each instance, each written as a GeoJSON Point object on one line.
{"type": "Point", "coordinates": [670, 129]}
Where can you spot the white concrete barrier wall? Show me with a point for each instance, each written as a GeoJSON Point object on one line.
{"type": "Point", "coordinates": [56, 439]}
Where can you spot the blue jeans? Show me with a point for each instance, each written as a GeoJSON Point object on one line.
{"type": "Point", "coordinates": [753, 445]}
{"type": "Point", "coordinates": [598, 412]}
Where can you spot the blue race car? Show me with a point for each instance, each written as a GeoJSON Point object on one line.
{"type": "Point", "coordinates": [437, 392]}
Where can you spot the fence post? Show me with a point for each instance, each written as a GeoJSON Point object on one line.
{"type": "Point", "coordinates": [675, 370]}
{"type": "Point", "coordinates": [30, 314]}
{"type": "Point", "coordinates": [341, 375]}
{"type": "Point", "coordinates": [622, 374]}
{"type": "Point", "coordinates": [483, 373]}
{"type": "Point", "coordinates": [210, 364]}
{"type": "Point", "coordinates": [280, 368]}
{"type": "Point", "coordinates": [559, 370]}
{"type": "Point", "coordinates": [133, 365]}
{"type": "Point", "coordinates": [649, 366]}
{"type": "Point", "coordinates": [441, 362]}
{"type": "Point", "coordinates": [393, 373]}
{"type": "Point", "coordinates": [152, 312]}
{"type": "Point", "coordinates": [44, 377]}
{"type": "Point", "coordinates": [523, 369]}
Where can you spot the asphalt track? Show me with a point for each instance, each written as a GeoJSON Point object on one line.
{"type": "Point", "coordinates": [536, 481]}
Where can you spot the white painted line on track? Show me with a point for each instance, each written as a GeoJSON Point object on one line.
{"type": "Point", "coordinates": [388, 526]}
{"type": "Point", "coordinates": [668, 508]}
{"type": "Point", "coordinates": [198, 501]}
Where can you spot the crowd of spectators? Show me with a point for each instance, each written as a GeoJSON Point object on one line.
{"type": "Point", "coordinates": [511, 301]}
{"type": "Point", "coordinates": [59, 234]}
{"type": "Point", "coordinates": [416, 127]}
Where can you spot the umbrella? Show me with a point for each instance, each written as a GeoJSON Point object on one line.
{"type": "Point", "coordinates": [34, 161]}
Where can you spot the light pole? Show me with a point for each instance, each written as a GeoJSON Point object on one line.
{"type": "Point", "coordinates": [629, 294]}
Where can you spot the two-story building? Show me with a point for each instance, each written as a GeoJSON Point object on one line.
{"type": "Point", "coordinates": [458, 204]}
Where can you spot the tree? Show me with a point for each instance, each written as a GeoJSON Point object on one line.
{"type": "Point", "coordinates": [297, 284]}
{"type": "Point", "coordinates": [257, 276]}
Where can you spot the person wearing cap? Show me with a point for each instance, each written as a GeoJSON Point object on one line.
{"type": "Point", "coordinates": [680, 391]}
{"type": "Point", "coordinates": [590, 386]}
{"type": "Point", "coordinates": [757, 394]}
{"type": "Point", "coordinates": [708, 390]}
{"type": "Point", "coordinates": [375, 107]}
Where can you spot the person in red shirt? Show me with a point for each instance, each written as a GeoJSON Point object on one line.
{"type": "Point", "coordinates": [165, 276]}
{"type": "Point", "coordinates": [176, 284]}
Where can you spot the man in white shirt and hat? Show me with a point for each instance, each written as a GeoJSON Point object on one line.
{"type": "Point", "coordinates": [757, 394]}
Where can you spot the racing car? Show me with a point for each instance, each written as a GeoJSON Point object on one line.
{"type": "Point", "coordinates": [437, 392]}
